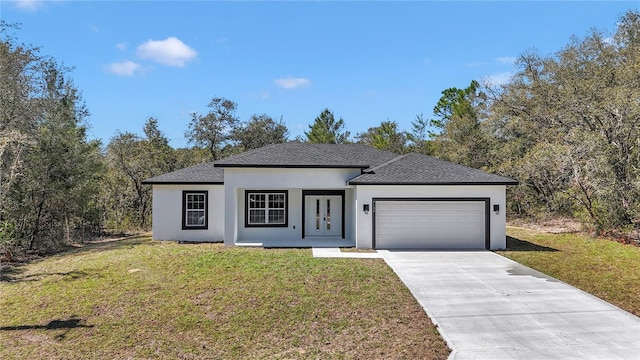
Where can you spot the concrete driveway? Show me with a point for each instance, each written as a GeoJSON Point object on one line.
{"type": "Point", "coordinates": [489, 307]}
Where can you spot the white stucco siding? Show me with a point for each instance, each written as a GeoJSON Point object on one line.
{"type": "Point", "coordinates": [365, 195]}
{"type": "Point", "coordinates": [285, 178]}
{"type": "Point", "coordinates": [350, 214]}
{"type": "Point", "coordinates": [167, 213]}
{"type": "Point", "coordinates": [238, 180]}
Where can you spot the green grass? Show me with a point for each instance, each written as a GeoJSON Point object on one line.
{"type": "Point", "coordinates": [138, 298]}
{"type": "Point", "coordinates": [604, 268]}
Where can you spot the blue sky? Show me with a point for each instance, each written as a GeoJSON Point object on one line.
{"type": "Point", "coordinates": [366, 61]}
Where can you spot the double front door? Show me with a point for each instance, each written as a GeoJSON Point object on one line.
{"type": "Point", "coordinates": [323, 215]}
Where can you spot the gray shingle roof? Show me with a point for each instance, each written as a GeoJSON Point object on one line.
{"type": "Point", "coordinates": [205, 173]}
{"type": "Point", "coordinates": [379, 167]}
{"type": "Point", "coordinates": [418, 169]}
{"type": "Point", "coordinates": [302, 155]}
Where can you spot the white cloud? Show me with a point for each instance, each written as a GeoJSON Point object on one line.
{"type": "Point", "coordinates": [506, 59]}
{"type": "Point", "coordinates": [498, 79]}
{"type": "Point", "coordinates": [29, 5]}
{"type": "Point", "coordinates": [124, 68]}
{"type": "Point", "coordinates": [121, 46]}
{"type": "Point", "coordinates": [171, 52]}
{"type": "Point", "coordinates": [291, 82]}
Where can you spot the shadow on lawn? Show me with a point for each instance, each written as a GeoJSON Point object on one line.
{"type": "Point", "coordinates": [10, 273]}
{"type": "Point", "coordinates": [57, 324]}
{"type": "Point", "coordinates": [514, 244]}
{"type": "Point", "coordinates": [113, 244]}
{"type": "Point", "coordinates": [14, 272]}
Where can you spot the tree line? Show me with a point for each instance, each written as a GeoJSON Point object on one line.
{"type": "Point", "coordinates": [566, 125]}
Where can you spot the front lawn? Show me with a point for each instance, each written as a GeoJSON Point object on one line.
{"type": "Point", "coordinates": [604, 268]}
{"type": "Point", "coordinates": [139, 298]}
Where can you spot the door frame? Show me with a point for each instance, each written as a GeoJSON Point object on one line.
{"type": "Point", "coordinates": [487, 213]}
{"type": "Point", "coordinates": [306, 193]}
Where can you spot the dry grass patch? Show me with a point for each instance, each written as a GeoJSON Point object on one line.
{"type": "Point", "coordinates": [604, 268]}
{"type": "Point", "coordinates": [143, 299]}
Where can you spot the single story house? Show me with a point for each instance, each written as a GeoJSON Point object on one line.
{"type": "Point", "coordinates": [303, 195]}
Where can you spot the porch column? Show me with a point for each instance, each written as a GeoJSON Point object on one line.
{"type": "Point", "coordinates": [230, 216]}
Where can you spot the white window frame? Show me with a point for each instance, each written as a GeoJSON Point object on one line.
{"type": "Point", "coordinates": [250, 194]}
{"type": "Point", "coordinates": [186, 210]}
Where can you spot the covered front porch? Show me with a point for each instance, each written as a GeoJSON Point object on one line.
{"type": "Point", "coordinates": [293, 217]}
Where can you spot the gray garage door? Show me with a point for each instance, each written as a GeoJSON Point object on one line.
{"type": "Point", "coordinates": [430, 225]}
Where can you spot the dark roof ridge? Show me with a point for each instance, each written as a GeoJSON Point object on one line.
{"type": "Point", "coordinates": [373, 169]}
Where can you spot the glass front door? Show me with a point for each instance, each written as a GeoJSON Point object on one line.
{"type": "Point", "coordinates": [323, 215]}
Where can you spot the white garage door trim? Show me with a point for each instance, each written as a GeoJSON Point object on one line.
{"type": "Point", "coordinates": [487, 219]}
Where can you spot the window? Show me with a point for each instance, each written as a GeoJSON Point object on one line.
{"type": "Point", "coordinates": [266, 208]}
{"type": "Point", "coordinates": [194, 210]}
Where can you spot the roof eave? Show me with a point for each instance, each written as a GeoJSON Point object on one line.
{"type": "Point", "coordinates": [183, 183]}
{"type": "Point", "coordinates": [431, 183]}
{"type": "Point", "coordinates": [288, 166]}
